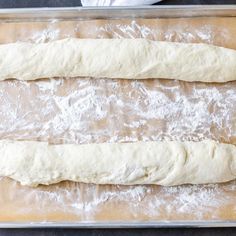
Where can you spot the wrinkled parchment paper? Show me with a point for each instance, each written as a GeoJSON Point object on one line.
{"type": "Point", "coordinates": [92, 110]}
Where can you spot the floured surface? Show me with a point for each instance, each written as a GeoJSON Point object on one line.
{"type": "Point", "coordinates": [92, 111]}
{"type": "Point", "coordinates": [99, 110]}
{"type": "Point", "coordinates": [82, 202]}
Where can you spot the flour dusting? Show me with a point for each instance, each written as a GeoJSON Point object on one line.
{"type": "Point", "coordinates": [86, 201]}
{"type": "Point", "coordinates": [86, 110]}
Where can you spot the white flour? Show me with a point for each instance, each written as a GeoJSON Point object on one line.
{"type": "Point", "coordinates": [87, 200]}
{"type": "Point", "coordinates": [99, 110]}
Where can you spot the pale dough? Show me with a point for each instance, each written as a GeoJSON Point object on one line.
{"type": "Point", "coordinates": [163, 163]}
{"type": "Point", "coordinates": [117, 58]}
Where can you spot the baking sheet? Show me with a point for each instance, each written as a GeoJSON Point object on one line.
{"type": "Point", "coordinates": [86, 110]}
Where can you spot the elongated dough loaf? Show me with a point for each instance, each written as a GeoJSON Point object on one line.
{"type": "Point", "coordinates": [117, 58]}
{"type": "Point", "coordinates": [162, 163]}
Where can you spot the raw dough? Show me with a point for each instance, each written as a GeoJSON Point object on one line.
{"type": "Point", "coordinates": [163, 163]}
{"type": "Point", "coordinates": [117, 58]}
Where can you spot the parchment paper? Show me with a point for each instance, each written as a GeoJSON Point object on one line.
{"type": "Point", "coordinates": [92, 110]}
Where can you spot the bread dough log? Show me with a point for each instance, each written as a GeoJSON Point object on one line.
{"type": "Point", "coordinates": [162, 163]}
{"type": "Point", "coordinates": [117, 58]}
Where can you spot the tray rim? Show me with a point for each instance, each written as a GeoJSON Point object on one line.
{"type": "Point", "coordinates": [166, 11]}
{"type": "Point", "coordinates": [79, 8]}
{"type": "Point", "coordinates": [121, 224]}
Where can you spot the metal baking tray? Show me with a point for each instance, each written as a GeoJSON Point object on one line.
{"type": "Point", "coordinates": [116, 13]}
